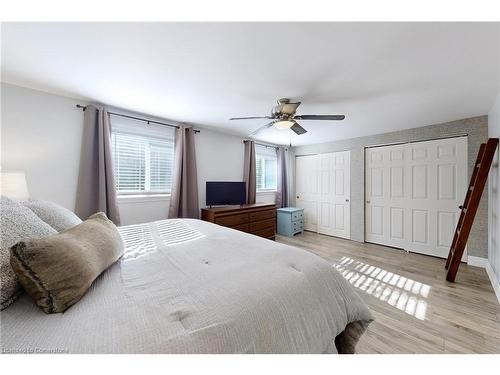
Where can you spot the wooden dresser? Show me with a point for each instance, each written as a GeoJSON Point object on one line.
{"type": "Point", "coordinates": [258, 219]}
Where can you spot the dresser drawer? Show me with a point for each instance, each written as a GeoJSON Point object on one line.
{"type": "Point", "coordinates": [297, 215]}
{"type": "Point", "coordinates": [241, 227]}
{"type": "Point", "coordinates": [298, 225]}
{"type": "Point", "coordinates": [258, 225]}
{"type": "Point", "coordinates": [262, 215]}
{"type": "Point", "coordinates": [259, 218]}
{"type": "Point", "coordinates": [266, 233]}
{"type": "Point", "coordinates": [232, 220]}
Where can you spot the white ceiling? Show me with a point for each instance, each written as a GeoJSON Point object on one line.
{"type": "Point", "coordinates": [382, 76]}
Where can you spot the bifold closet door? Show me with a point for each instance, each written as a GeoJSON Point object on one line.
{"type": "Point", "coordinates": [323, 191]}
{"type": "Point", "coordinates": [307, 189]}
{"type": "Point", "coordinates": [334, 206]}
{"type": "Point", "coordinates": [386, 196]}
{"type": "Point", "coordinates": [412, 194]}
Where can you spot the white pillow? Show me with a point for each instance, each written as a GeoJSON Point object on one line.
{"type": "Point", "coordinates": [56, 216]}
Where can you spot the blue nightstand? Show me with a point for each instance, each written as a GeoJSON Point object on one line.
{"type": "Point", "coordinates": [290, 221]}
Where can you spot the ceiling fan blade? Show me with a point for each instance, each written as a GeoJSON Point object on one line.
{"type": "Point", "coordinates": [319, 117]}
{"type": "Point", "coordinates": [298, 129]}
{"type": "Point", "coordinates": [249, 118]}
{"type": "Point", "coordinates": [262, 128]}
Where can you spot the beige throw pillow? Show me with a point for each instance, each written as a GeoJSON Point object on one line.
{"type": "Point", "coordinates": [57, 271]}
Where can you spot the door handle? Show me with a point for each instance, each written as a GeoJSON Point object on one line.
{"type": "Point", "coordinates": [297, 197]}
{"type": "Point", "coordinates": [347, 200]}
{"type": "Point", "coordinates": [368, 202]}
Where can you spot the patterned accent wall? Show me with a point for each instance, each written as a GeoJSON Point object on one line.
{"type": "Point", "coordinates": [477, 130]}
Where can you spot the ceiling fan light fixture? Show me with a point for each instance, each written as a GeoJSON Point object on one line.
{"type": "Point", "coordinates": [283, 124]}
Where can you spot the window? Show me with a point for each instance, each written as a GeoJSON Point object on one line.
{"type": "Point", "coordinates": [266, 168]}
{"type": "Point", "coordinates": [143, 157]}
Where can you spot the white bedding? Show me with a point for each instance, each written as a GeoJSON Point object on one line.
{"type": "Point", "coordinates": [188, 286]}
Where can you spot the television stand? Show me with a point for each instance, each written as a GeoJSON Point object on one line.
{"type": "Point", "coordinates": [258, 219]}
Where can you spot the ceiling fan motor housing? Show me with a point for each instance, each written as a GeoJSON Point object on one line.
{"type": "Point", "coordinates": [285, 109]}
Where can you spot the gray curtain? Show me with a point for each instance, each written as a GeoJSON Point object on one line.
{"type": "Point", "coordinates": [282, 183]}
{"type": "Point", "coordinates": [249, 172]}
{"type": "Point", "coordinates": [96, 189]}
{"type": "Point", "coordinates": [184, 196]}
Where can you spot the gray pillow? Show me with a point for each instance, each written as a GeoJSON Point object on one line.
{"type": "Point", "coordinates": [57, 271]}
{"type": "Point", "coordinates": [16, 223]}
{"type": "Point", "coordinates": [6, 200]}
{"type": "Point", "coordinates": [56, 216]}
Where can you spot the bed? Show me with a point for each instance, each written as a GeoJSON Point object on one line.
{"type": "Point", "coordinates": [189, 286]}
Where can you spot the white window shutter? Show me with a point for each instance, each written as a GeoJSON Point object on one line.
{"type": "Point", "coordinates": [143, 160]}
{"type": "Point", "coordinates": [266, 168]}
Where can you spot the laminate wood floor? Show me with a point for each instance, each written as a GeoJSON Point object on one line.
{"type": "Point", "coordinates": [416, 310]}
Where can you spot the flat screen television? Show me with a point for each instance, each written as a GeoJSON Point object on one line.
{"type": "Point", "coordinates": [221, 193]}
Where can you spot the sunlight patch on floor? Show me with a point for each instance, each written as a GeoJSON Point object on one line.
{"type": "Point", "coordinates": [398, 291]}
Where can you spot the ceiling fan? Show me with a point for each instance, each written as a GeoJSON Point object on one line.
{"type": "Point", "coordinates": [283, 117]}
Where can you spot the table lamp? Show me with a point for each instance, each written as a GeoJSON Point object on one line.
{"type": "Point", "coordinates": [13, 185]}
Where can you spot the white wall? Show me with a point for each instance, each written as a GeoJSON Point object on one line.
{"type": "Point", "coordinates": [219, 157]}
{"type": "Point", "coordinates": [41, 135]}
{"type": "Point", "coordinates": [135, 210]}
{"type": "Point", "coordinates": [494, 200]}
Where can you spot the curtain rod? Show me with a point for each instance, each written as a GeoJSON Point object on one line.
{"type": "Point", "coordinates": [417, 140]}
{"type": "Point", "coordinates": [263, 144]}
{"type": "Point", "coordinates": [83, 107]}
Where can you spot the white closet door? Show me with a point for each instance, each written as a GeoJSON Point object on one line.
{"type": "Point", "coordinates": [334, 207]}
{"type": "Point", "coordinates": [307, 189]}
{"type": "Point", "coordinates": [386, 196]}
{"type": "Point", "coordinates": [323, 191]}
{"type": "Point", "coordinates": [413, 192]}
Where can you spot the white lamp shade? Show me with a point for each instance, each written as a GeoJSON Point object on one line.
{"type": "Point", "coordinates": [13, 185]}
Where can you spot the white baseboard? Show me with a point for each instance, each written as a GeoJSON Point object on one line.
{"type": "Point", "coordinates": [477, 261]}
{"type": "Point", "coordinates": [494, 280]}
{"type": "Point", "coordinates": [484, 263]}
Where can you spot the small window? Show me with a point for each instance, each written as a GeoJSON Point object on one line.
{"type": "Point", "coordinates": [266, 168]}
{"type": "Point", "coordinates": [143, 157]}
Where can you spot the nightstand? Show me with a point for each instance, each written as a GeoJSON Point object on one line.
{"type": "Point", "coordinates": [290, 221]}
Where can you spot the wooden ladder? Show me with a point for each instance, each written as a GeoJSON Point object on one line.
{"type": "Point", "coordinates": [469, 208]}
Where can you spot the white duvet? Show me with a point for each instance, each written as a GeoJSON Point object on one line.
{"type": "Point", "coordinates": [188, 286]}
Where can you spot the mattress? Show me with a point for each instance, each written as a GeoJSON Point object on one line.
{"type": "Point", "coordinates": [189, 286]}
